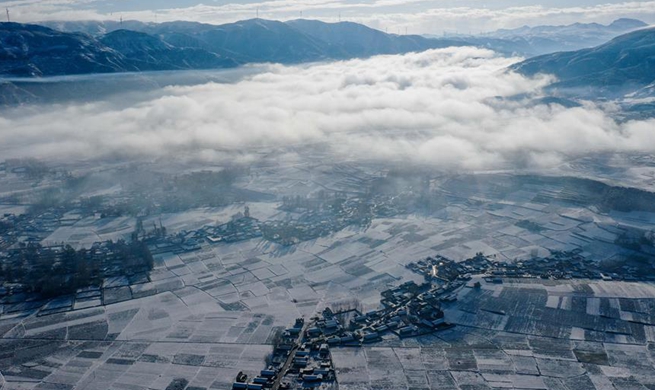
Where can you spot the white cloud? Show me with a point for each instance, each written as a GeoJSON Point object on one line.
{"type": "Point", "coordinates": [447, 108]}
{"type": "Point", "coordinates": [419, 16]}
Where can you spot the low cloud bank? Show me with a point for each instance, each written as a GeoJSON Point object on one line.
{"type": "Point", "coordinates": [454, 109]}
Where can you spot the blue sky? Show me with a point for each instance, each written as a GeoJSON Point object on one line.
{"type": "Point", "coordinates": [418, 16]}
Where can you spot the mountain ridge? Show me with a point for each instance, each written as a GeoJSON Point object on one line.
{"type": "Point", "coordinates": [545, 39]}
{"type": "Point", "coordinates": [32, 50]}
{"type": "Point", "coordinates": [621, 66]}
{"type": "Point", "coordinates": [190, 45]}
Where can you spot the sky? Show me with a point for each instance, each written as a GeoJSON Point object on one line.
{"type": "Point", "coordinates": [417, 16]}
{"type": "Point", "coordinates": [453, 109]}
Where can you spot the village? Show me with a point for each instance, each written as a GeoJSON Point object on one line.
{"type": "Point", "coordinates": [301, 357]}
{"type": "Point", "coordinates": [416, 275]}
{"type": "Point", "coordinates": [560, 265]}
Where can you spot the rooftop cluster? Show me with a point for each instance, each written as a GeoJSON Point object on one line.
{"type": "Point", "coordinates": [559, 265]}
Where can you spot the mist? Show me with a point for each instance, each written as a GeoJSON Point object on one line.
{"type": "Point", "coordinates": [451, 109]}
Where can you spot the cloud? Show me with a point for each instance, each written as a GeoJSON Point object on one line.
{"type": "Point", "coordinates": [451, 109]}
{"type": "Point", "coordinates": [418, 16]}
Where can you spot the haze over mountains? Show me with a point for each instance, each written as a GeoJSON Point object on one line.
{"type": "Point", "coordinates": [531, 41]}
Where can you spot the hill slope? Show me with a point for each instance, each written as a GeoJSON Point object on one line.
{"type": "Point", "coordinates": [147, 52]}
{"type": "Point", "coordinates": [620, 66]}
{"type": "Point", "coordinates": [30, 50]}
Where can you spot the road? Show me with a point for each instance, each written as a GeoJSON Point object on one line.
{"type": "Point", "coordinates": [292, 354]}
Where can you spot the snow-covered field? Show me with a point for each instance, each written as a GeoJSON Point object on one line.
{"type": "Point", "coordinates": [206, 315]}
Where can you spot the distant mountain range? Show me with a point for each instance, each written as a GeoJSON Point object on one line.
{"type": "Point", "coordinates": [64, 48]}
{"type": "Point", "coordinates": [245, 40]}
{"type": "Point", "coordinates": [538, 40]}
{"type": "Point", "coordinates": [622, 66]}
{"type": "Point", "coordinates": [28, 50]}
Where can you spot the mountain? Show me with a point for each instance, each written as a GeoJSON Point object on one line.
{"type": "Point", "coordinates": [532, 41]}
{"type": "Point", "coordinates": [350, 40]}
{"type": "Point", "coordinates": [12, 95]}
{"type": "Point", "coordinates": [583, 30]}
{"type": "Point", "coordinates": [624, 24]}
{"type": "Point", "coordinates": [95, 28]}
{"type": "Point", "coordinates": [621, 66]}
{"type": "Point", "coordinates": [259, 40]}
{"type": "Point", "coordinates": [550, 39]}
{"type": "Point", "coordinates": [295, 41]}
{"type": "Point", "coordinates": [147, 52]}
{"type": "Point", "coordinates": [315, 38]}
{"type": "Point", "coordinates": [30, 50]}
